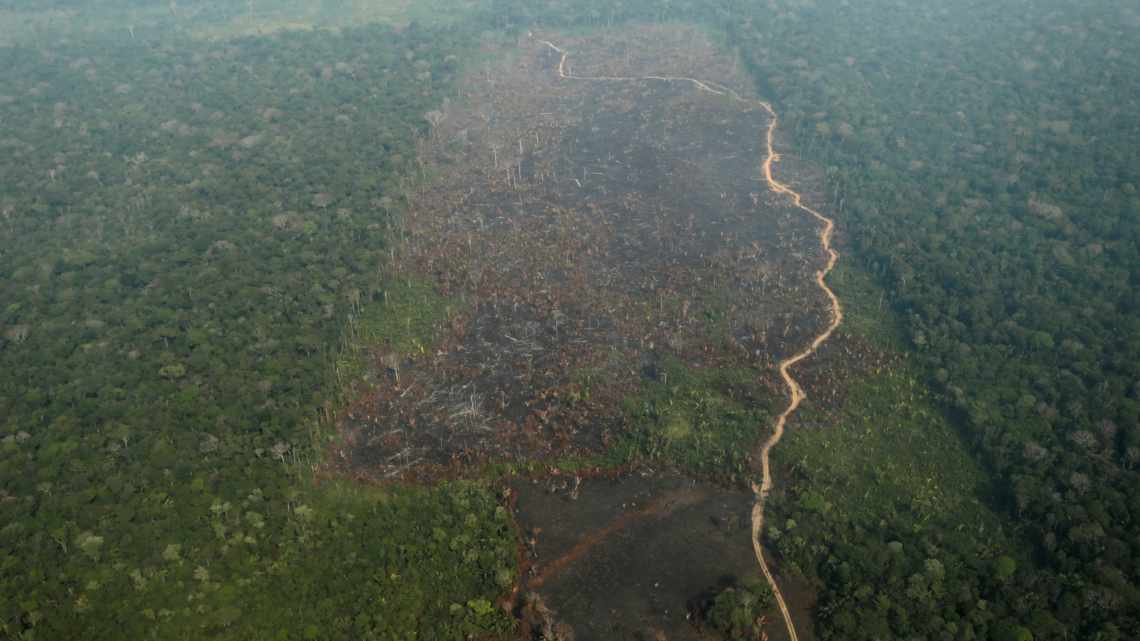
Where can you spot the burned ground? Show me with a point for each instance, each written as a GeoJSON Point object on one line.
{"type": "Point", "coordinates": [608, 281]}
{"type": "Point", "coordinates": [586, 231]}
{"type": "Point", "coordinates": [660, 547]}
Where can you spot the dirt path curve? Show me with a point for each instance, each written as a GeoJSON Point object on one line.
{"type": "Point", "coordinates": [795, 391]}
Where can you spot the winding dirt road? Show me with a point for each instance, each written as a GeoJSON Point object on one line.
{"type": "Point", "coordinates": [795, 391]}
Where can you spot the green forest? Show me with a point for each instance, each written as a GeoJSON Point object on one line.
{"type": "Point", "coordinates": [193, 213]}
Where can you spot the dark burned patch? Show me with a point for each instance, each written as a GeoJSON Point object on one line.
{"type": "Point", "coordinates": [632, 557]}
{"type": "Point", "coordinates": [513, 384]}
{"type": "Point", "coordinates": [586, 229]}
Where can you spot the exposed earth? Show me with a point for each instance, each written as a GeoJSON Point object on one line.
{"type": "Point", "coordinates": [588, 239]}
{"type": "Point", "coordinates": [585, 232]}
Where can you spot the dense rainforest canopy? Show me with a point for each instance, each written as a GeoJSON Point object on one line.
{"type": "Point", "coordinates": [185, 223]}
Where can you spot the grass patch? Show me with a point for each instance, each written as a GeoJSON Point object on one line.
{"type": "Point", "coordinates": [704, 421]}
{"type": "Point", "coordinates": [408, 317]}
{"type": "Point", "coordinates": [892, 454]}
{"type": "Point", "coordinates": [405, 320]}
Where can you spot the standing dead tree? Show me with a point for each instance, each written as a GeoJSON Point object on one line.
{"type": "Point", "coordinates": [435, 118]}
{"type": "Point", "coordinates": [495, 147]}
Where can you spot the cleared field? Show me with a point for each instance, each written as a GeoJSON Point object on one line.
{"type": "Point", "coordinates": [614, 269]}
{"type": "Point", "coordinates": [596, 278]}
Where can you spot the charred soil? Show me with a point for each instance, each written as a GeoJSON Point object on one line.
{"type": "Point", "coordinates": [591, 238]}
{"type": "Point", "coordinates": [586, 231]}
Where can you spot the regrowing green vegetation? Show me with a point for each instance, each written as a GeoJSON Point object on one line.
{"type": "Point", "coordinates": [887, 500]}
{"type": "Point", "coordinates": [405, 317]}
{"type": "Point", "coordinates": [199, 214]}
{"type": "Point", "coordinates": [704, 421]}
{"type": "Point", "coordinates": [736, 611]}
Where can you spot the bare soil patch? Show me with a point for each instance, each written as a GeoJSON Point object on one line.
{"type": "Point", "coordinates": [588, 237]}
{"type": "Point", "coordinates": [634, 558]}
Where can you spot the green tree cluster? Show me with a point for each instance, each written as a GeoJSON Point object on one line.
{"type": "Point", "coordinates": [185, 228]}
{"type": "Point", "coordinates": [736, 611]}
